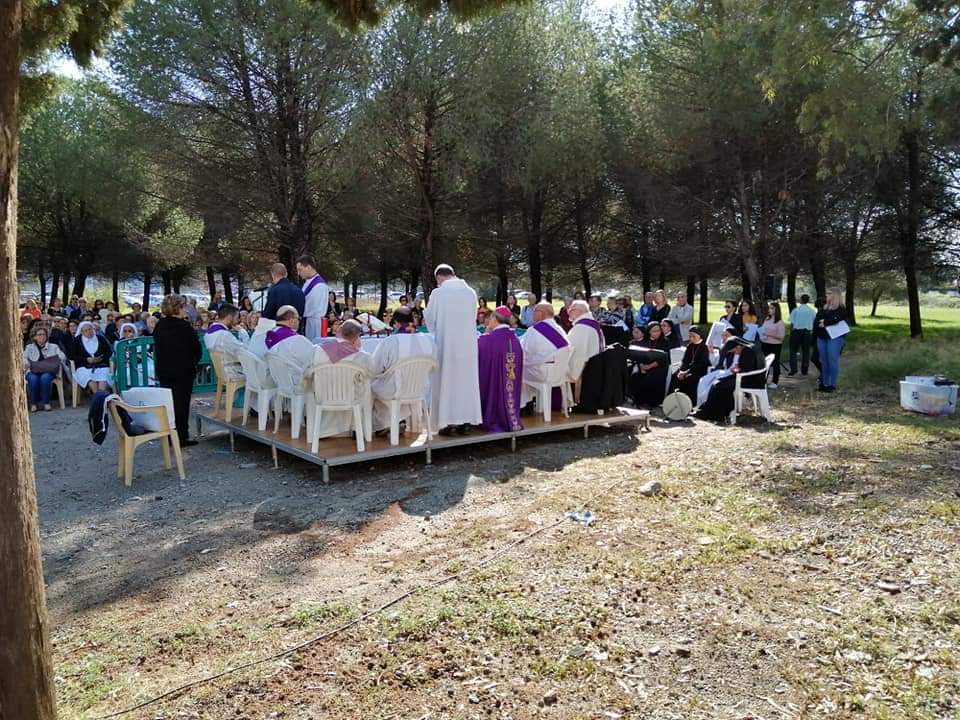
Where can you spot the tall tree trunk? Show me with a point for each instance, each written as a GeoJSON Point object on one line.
{"type": "Point", "coordinates": [745, 285]}
{"type": "Point", "coordinates": [353, 290]}
{"type": "Point", "coordinates": [211, 282]}
{"type": "Point", "coordinates": [427, 211]}
{"type": "Point", "coordinates": [691, 288]}
{"type": "Point", "coordinates": [26, 677]}
{"type": "Point", "coordinates": [147, 281]}
{"type": "Point", "coordinates": [414, 282]}
{"type": "Point", "coordinates": [80, 284]}
{"type": "Point", "coordinates": [43, 285]}
{"type": "Point", "coordinates": [792, 289]}
{"type": "Point", "coordinates": [176, 277]}
{"type": "Point", "coordinates": [54, 284]}
{"type": "Point", "coordinates": [582, 245]}
{"type": "Point", "coordinates": [910, 239]}
{"type": "Point", "coordinates": [227, 286]}
{"type": "Point", "coordinates": [818, 270]}
{"type": "Point", "coordinates": [877, 294]}
{"type": "Point", "coordinates": [532, 230]}
{"type": "Point", "coordinates": [503, 282]}
{"type": "Point", "coordinates": [384, 282]}
{"type": "Point", "coordinates": [662, 281]}
{"type": "Point", "coordinates": [241, 287]}
{"type": "Point", "coordinates": [285, 256]}
{"type": "Point", "coordinates": [346, 288]}
{"type": "Point", "coordinates": [167, 282]}
{"type": "Point", "coordinates": [66, 287]}
{"type": "Point", "coordinates": [115, 294]}
{"type": "Point", "coordinates": [704, 319]}
{"type": "Point", "coordinates": [850, 273]}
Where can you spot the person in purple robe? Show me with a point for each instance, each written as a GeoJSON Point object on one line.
{"type": "Point", "coordinates": [501, 373]}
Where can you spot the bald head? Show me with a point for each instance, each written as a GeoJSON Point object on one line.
{"type": "Point", "coordinates": [351, 330]}
{"type": "Point", "coordinates": [578, 308]}
{"type": "Point", "coordinates": [542, 311]}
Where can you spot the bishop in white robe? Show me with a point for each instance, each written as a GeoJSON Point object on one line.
{"type": "Point", "coordinates": [455, 386]}
{"type": "Point", "coordinates": [317, 297]}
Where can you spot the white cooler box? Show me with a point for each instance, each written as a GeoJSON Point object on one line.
{"type": "Point", "coordinates": [919, 394]}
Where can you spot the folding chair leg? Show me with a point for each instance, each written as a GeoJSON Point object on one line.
{"type": "Point", "coordinates": [175, 441]}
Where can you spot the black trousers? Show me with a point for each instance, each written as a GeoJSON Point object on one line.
{"type": "Point", "coordinates": [800, 342]}
{"type": "Point", "coordinates": [182, 391]}
{"type": "Point", "coordinates": [775, 349]}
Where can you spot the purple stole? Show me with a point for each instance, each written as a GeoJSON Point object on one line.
{"type": "Point", "coordinates": [314, 281]}
{"type": "Point", "coordinates": [217, 327]}
{"type": "Point", "coordinates": [336, 350]}
{"type": "Point", "coordinates": [590, 322]}
{"type": "Point", "coordinates": [279, 333]}
{"type": "Point", "coordinates": [551, 334]}
{"type": "Point", "coordinates": [500, 358]}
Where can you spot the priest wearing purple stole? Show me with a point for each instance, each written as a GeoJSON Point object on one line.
{"type": "Point", "coordinates": [501, 374]}
{"type": "Point", "coordinates": [540, 344]}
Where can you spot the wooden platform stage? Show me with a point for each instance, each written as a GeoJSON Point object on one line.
{"type": "Point", "coordinates": [343, 450]}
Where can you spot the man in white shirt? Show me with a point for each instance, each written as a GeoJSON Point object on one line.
{"type": "Point", "coordinates": [540, 344]}
{"type": "Point", "coordinates": [681, 315]}
{"type": "Point", "coordinates": [220, 339]}
{"type": "Point", "coordinates": [283, 341]}
{"type": "Point", "coordinates": [801, 333]}
{"type": "Point", "coordinates": [585, 336]}
{"type": "Point", "coordinates": [316, 294]}
{"type": "Point", "coordinates": [455, 386]}
{"type": "Point", "coordinates": [404, 343]}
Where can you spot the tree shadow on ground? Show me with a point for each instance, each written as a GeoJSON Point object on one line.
{"type": "Point", "coordinates": [104, 542]}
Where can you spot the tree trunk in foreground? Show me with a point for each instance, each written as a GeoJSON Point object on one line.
{"type": "Point", "coordinates": [211, 282]}
{"type": "Point", "coordinates": [26, 676]}
{"type": "Point", "coordinates": [704, 296]}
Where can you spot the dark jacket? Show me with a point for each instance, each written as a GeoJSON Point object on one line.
{"type": "Point", "coordinates": [79, 355]}
{"type": "Point", "coordinates": [176, 350]}
{"type": "Point", "coordinates": [829, 317]}
{"type": "Point", "coordinates": [696, 360]}
{"type": "Point", "coordinates": [283, 293]}
{"type": "Point", "coordinates": [603, 384]}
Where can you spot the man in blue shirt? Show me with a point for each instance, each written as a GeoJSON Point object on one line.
{"type": "Point", "coordinates": [282, 292]}
{"type": "Point", "coordinates": [646, 310]}
{"type": "Point", "coordinates": [801, 331]}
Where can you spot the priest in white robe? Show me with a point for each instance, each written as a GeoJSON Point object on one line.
{"type": "Point", "coordinates": [219, 338]}
{"type": "Point", "coordinates": [455, 387]}
{"type": "Point", "coordinates": [343, 349]}
{"type": "Point", "coordinates": [540, 344]}
{"type": "Point", "coordinates": [404, 343]}
{"type": "Point", "coordinates": [316, 294]}
{"type": "Point", "coordinates": [283, 341]}
{"type": "Point", "coordinates": [257, 344]}
{"type": "Point", "coordinates": [586, 338]}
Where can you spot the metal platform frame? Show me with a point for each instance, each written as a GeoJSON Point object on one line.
{"type": "Point", "coordinates": [622, 416]}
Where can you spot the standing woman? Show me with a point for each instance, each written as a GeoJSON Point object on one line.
{"type": "Point", "coordinates": [832, 313]}
{"type": "Point", "coordinates": [661, 308]}
{"type": "Point", "coordinates": [177, 353]}
{"type": "Point", "coordinates": [772, 333]}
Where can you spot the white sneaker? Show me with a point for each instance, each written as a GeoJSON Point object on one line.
{"type": "Point", "coordinates": [772, 386]}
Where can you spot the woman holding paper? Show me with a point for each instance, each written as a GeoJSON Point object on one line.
{"type": "Point", "coordinates": [830, 329]}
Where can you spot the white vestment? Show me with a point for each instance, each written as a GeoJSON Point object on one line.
{"type": "Point", "coordinates": [585, 342]}
{"type": "Point", "coordinates": [317, 296]}
{"type": "Point", "coordinates": [391, 350]}
{"type": "Point", "coordinates": [296, 349]}
{"type": "Point", "coordinates": [336, 423]}
{"type": "Point", "coordinates": [223, 342]}
{"type": "Point", "coordinates": [537, 352]}
{"type": "Point", "coordinates": [258, 344]}
{"type": "Point", "coordinates": [455, 386]}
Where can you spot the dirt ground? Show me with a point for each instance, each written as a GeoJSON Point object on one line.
{"type": "Point", "coordinates": [804, 568]}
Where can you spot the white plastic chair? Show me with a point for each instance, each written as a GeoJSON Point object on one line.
{"type": "Point", "coordinates": [340, 387]}
{"type": "Point", "coordinates": [289, 379]}
{"type": "Point", "coordinates": [259, 383]}
{"type": "Point", "coordinates": [758, 396]}
{"type": "Point", "coordinates": [676, 362]}
{"type": "Point", "coordinates": [410, 379]}
{"type": "Point", "coordinates": [557, 371]}
{"type": "Point", "coordinates": [226, 387]}
{"type": "Point", "coordinates": [128, 444]}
